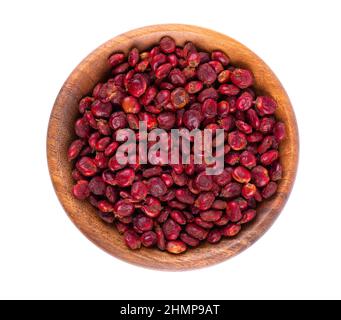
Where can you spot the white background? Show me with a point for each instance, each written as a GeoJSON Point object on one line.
{"type": "Point", "coordinates": [42, 254]}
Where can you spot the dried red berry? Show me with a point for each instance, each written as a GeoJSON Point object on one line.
{"type": "Point", "coordinates": [265, 145]}
{"type": "Point", "coordinates": [162, 71]}
{"type": "Point", "coordinates": [131, 105]}
{"type": "Point", "coordinates": [86, 167]}
{"type": "Point", "coordinates": [125, 177]}
{"type": "Point", "coordinates": [163, 215]}
{"type": "Point", "coordinates": [160, 239]}
{"type": "Point", "coordinates": [269, 157]}
{"type": "Point", "coordinates": [279, 131]}
{"type": "Point", "coordinates": [116, 59]}
{"type": "Point", "coordinates": [132, 240]}
{"type": "Point", "coordinates": [193, 59]}
{"type": "Point", "coordinates": [252, 118]}
{"type": "Point", "coordinates": [137, 85]}
{"type": "Point", "coordinates": [121, 68]}
{"type": "Point", "coordinates": [111, 193]}
{"type": "Point", "coordinates": [152, 207]}
{"type": "Point", "coordinates": [226, 122]}
{"type": "Point", "coordinates": [118, 120]}
{"type": "Point", "coordinates": [248, 190]}
{"type": "Point", "coordinates": [110, 92]}
{"type": "Point", "coordinates": [196, 232]}
{"type": "Point", "coordinates": [166, 120]}
{"type": "Point", "coordinates": [219, 205]}
{"type": "Point", "coordinates": [111, 149]}
{"type": "Point", "coordinates": [237, 140]}
{"type": "Point", "coordinates": [176, 247]}
{"type": "Point", "coordinates": [148, 239]}
{"type": "Point", "coordinates": [167, 45]}
{"type": "Point", "coordinates": [217, 66]}
{"type": "Point", "coordinates": [224, 76]}
{"type": "Point", "coordinates": [232, 158]}
{"type": "Point", "coordinates": [157, 187]}
{"type": "Point", "coordinates": [188, 49]}
{"type": "Point", "coordinates": [171, 229]}
{"type": "Point", "coordinates": [276, 171]}
{"type": "Point", "coordinates": [103, 127]}
{"type": "Point", "coordinates": [102, 144]}
{"type": "Point", "coordinates": [105, 206]}
{"type": "Point", "coordinates": [123, 208]}
{"type": "Point", "coordinates": [214, 236]}
{"type": "Point", "coordinates": [179, 98]}
{"type": "Point", "coordinates": [75, 149]}
{"type": "Point", "coordinates": [233, 211]}
{"type": "Point", "coordinates": [82, 128]}
{"type": "Point", "coordinates": [203, 181]}
{"type": "Point", "coordinates": [228, 90]}
{"type": "Point", "coordinates": [248, 159]}
{"type": "Point", "coordinates": [209, 108]}
{"type": "Point", "coordinates": [142, 66]}
{"type": "Point", "coordinates": [152, 172]}
{"type": "Point", "coordinates": [85, 104]}
{"type": "Point", "coordinates": [157, 60]}
{"type": "Point", "coordinates": [178, 217]}
{"type": "Point", "coordinates": [244, 101]}
{"type": "Point", "coordinates": [76, 175]}
{"type": "Point", "coordinates": [142, 223]}
{"type": "Point", "coordinates": [139, 190]}
{"type": "Point", "coordinates": [230, 230]}
{"type": "Point", "coordinates": [206, 74]}
{"type": "Point", "coordinates": [221, 57]}
{"type": "Point", "coordinates": [269, 190]}
{"type": "Point", "coordinates": [97, 186]}
{"type": "Point", "coordinates": [248, 216]}
{"type": "Point", "coordinates": [242, 78]}
{"type": "Point", "coordinates": [101, 110]}
{"type": "Point", "coordinates": [203, 224]}
{"type": "Point", "coordinates": [190, 241]}
{"type": "Point", "coordinates": [184, 196]}
{"type": "Point", "coordinates": [81, 190]}
{"type": "Point", "coordinates": [223, 108]}
{"type": "Point", "coordinates": [109, 177]}
{"type": "Point", "coordinates": [133, 57]}
{"type": "Point", "coordinates": [205, 200]}
{"type": "Point", "coordinates": [177, 205]}
{"type": "Point", "coordinates": [241, 175]}
{"type": "Point", "coordinates": [173, 59]}
{"type": "Point", "coordinates": [266, 124]}
{"type": "Point", "coordinates": [260, 176]}
{"type": "Point", "coordinates": [148, 96]}
{"type": "Point", "coordinates": [192, 119]}
{"type": "Point", "coordinates": [177, 78]}
{"type": "Point", "coordinates": [149, 118]}
{"type": "Point", "coordinates": [266, 105]}
{"type": "Point", "coordinates": [243, 127]}
{"type": "Point", "coordinates": [121, 227]}
{"type": "Point", "coordinates": [231, 190]}
{"type": "Point", "coordinates": [211, 215]}
{"type": "Point", "coordinates": [223, 178]}
{"type": "Point", "coordinates": [204, 57]}
{"type": "Point", "coordinates": [194, 86]}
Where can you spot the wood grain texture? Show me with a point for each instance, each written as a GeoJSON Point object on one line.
{"type": "Point", "coordinates": [60, 133]}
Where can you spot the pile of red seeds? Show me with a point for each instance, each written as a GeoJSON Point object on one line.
{"type": "Point", "coordinates": [176, 206]}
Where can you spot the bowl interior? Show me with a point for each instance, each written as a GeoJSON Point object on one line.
{"type": "Point", "coordinates": [94, 69]}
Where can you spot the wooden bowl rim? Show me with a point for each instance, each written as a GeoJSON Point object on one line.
{"type": "Point", "coordinates": [205, 255]}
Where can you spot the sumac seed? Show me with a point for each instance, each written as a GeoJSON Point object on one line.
{"type": "Point", "coordinates": [156, 203]}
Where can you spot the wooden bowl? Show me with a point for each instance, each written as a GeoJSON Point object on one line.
{"type": "Point", "coordinates": [60, 133]}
